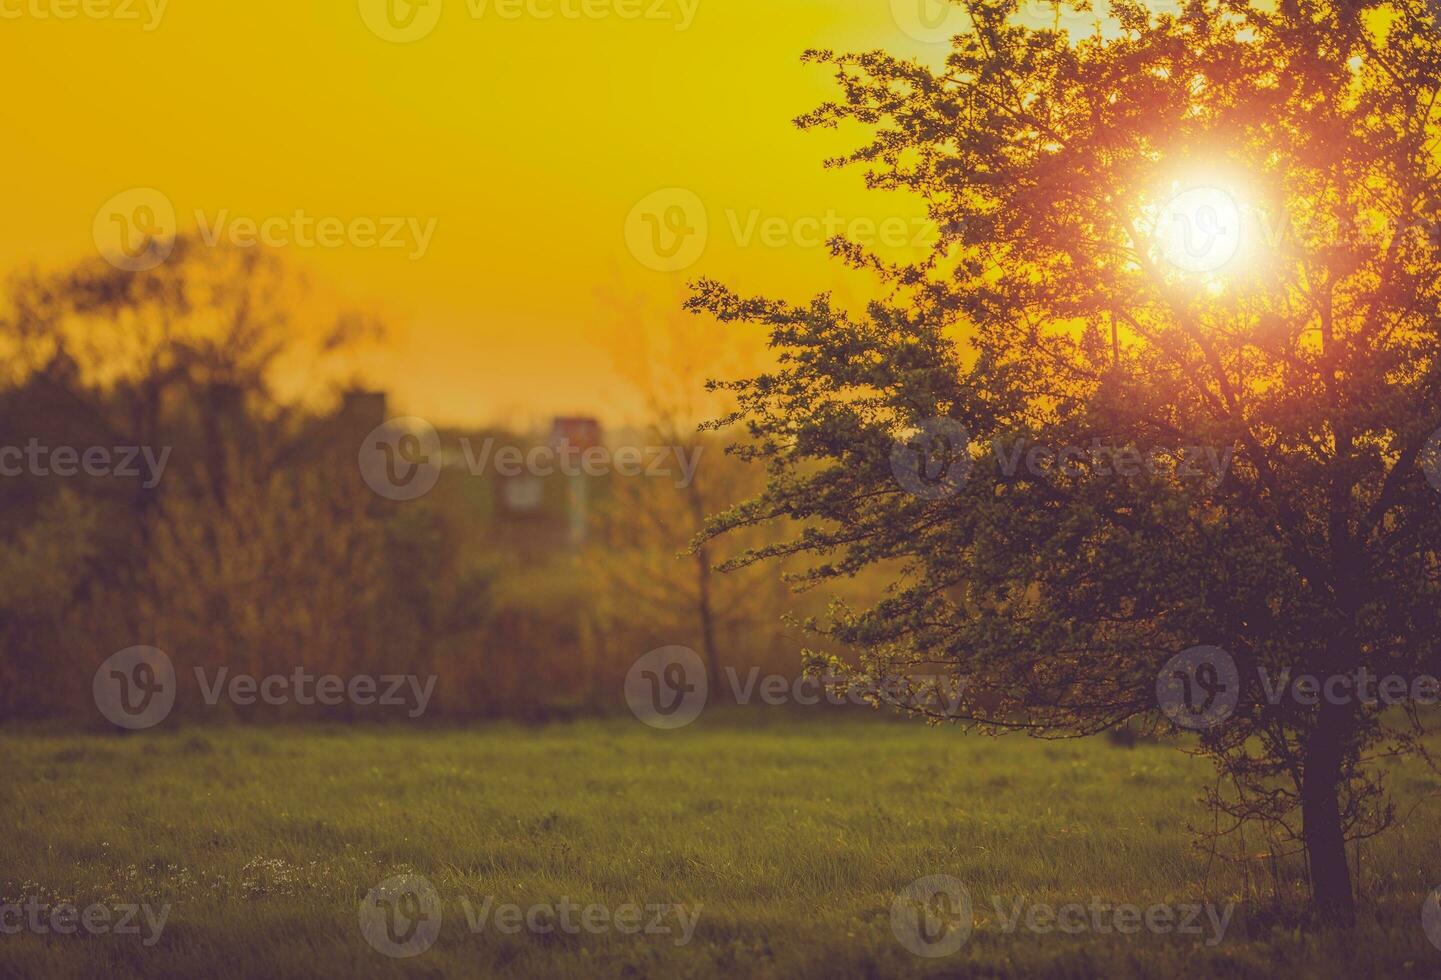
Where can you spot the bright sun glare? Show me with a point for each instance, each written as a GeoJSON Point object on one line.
{"type": "Point", "coordinates": [1199, 229]}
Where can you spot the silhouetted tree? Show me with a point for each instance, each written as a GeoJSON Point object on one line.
{"type": "Point", "coordinates": [1054, 311]}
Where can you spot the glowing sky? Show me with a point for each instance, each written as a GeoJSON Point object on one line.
{"type": "Point", "coordinates": [522, 140]}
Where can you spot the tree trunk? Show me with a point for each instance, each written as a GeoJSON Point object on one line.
{"type": "Point", "coordinates": [703, 597]}
{"type": "Point", "coordinates": [1321, 820]}
{"type": "Point", "coordinates": [707, 621]}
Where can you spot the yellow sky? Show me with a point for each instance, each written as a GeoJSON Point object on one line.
{"type": "Point", "coordinates": [526, 134]}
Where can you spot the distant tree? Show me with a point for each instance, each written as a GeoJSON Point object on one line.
{"type": "Point", "coordinates": [1053, 311]}
{"type": "Point", "coordinates": [260, 548]}
{"type": "Point", "coordinates": [642, 570]}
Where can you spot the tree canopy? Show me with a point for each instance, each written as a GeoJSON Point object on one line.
{"type": "Point", "coordinates": [1071, 305]}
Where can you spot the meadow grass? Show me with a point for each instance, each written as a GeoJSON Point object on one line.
{"type": "Point", "coordinates": [791, 837]}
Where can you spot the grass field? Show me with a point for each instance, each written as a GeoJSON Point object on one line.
{"type": "Point", "coordinates": [790, 839]}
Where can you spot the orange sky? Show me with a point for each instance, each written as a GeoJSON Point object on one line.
{"type": "Point", "coordinates": [520, 140]}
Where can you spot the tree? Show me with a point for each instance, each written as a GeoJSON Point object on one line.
{"type": "Point", "coordinates": [261, 549]}
{"type": "Point", "coordinates": [646, 521]}
{"type": "Point", "coordinates": [1057, 310]}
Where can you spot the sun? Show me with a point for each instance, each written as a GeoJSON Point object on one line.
{"type": "Point", "coordinates": [1199, 227]}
